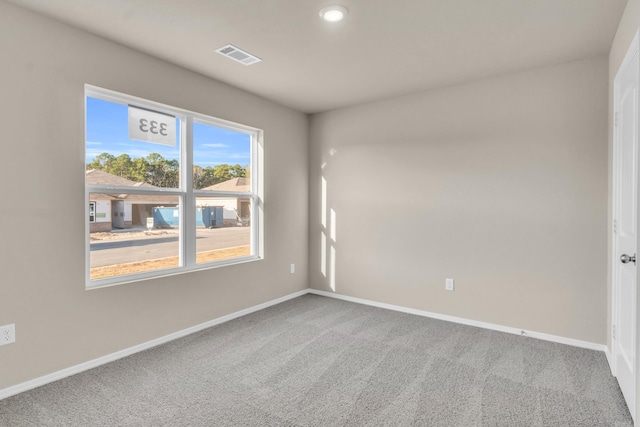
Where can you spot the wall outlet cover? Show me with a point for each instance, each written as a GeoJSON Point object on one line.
{"type": "Point", "coordinates": [449, 284]}
{"type": "Point", "coordinates": [7, 334]}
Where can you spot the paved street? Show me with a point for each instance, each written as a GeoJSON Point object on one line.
{"type": "Point", "coordinates": [121, 251]}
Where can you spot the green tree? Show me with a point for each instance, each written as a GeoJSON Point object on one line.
{"type": "Point", "coordinates": [203, 177]}
{"type": "Point", "coordinates": [162, 172]}
{"type": "Point", "coordinates": [139, 169]}
{"type": "Point", "coordinates": [102, 161]}
{"type": "Point", "coordinates": [172, 173]}
{"type": "Point", "coordinates": [222, 173]}
{"type": "Point", "coordinates": [225, 172]}
{"type": "Point", "coordinates": [238, 171]}
{"type": "Point", "coordinates": [120, 166]}
{"type": "Point", "coordinates": [156, 170]}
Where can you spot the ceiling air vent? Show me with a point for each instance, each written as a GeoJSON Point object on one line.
{"type": "Point", "coordinates": [238, 54]}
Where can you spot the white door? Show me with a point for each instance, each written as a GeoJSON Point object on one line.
{"type": "Point", "coordinates": [626, 224]}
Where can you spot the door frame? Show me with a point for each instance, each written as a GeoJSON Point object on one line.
{"type": "Point", "coordinates": [632, 53]}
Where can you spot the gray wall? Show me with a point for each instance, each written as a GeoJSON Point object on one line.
{"type": "Point", "coordinates": [58, 323]}
{"type": "Point", "coordinates": [629, 25]}
{"type": "Point", "coordinates": [500, 184]}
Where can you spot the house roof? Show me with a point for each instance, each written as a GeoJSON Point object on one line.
{"type": "Point", "coordinates": [234, 184]}
{"type": "Point", "coordinates": [99, 177]}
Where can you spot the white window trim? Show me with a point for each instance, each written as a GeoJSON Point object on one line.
{"type": "Point", "coordinates": [186, 194]}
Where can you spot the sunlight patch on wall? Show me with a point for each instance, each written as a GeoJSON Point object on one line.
{"type": "Point", "coordinates": [332, 265]}
{"type": "Point", "coordinates": [323, 254]}
{"type": "Point", "coordinates": [323, 204]}
{"type": "Point", "coordinates": [333, 225]}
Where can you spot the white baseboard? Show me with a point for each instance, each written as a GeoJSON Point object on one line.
{"type": "Point", "coordinates": [463, 321]}
{"type": "Point", "coordinates": [46, 379]}
{"type": "Point", "coordinates": [58, 375]}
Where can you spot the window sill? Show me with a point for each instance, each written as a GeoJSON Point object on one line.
{"type": "Point", "coordinates": [157, 274]}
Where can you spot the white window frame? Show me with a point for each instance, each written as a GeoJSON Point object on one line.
{"type": "Point", "coordinates": [185, 193]}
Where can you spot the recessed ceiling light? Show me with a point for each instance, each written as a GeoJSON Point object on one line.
{"type": "Point", "coordinates": [333, 13]}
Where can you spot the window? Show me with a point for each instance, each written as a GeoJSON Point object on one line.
{"type": "Point", "coordinates": [168, 190]}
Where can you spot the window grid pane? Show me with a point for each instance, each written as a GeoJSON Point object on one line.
{"type": "Point", "coordinates": [142, 233]}
{"type": "Point", "coordinates": [223, 228]}
{"type": "Point", "coordinates": [133, 233]}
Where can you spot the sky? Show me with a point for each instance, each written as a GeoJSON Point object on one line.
{"type": "Point", "coordinates": [107, 131]}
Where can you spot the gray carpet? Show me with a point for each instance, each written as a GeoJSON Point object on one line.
{"type": "Point", "coordinates": [316, 361]}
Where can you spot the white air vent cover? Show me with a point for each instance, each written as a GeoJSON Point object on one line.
{"type": "Point", "coordinates": [238, 54]}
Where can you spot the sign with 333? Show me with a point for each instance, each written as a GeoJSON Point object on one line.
{"type": "Point", "coordinates": [152, 126]}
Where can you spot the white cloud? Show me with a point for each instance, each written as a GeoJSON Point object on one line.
{"type": "Point", "coordinates": [215, 145]}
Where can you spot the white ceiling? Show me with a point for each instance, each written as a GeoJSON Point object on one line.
{"type": "Point", "coordinates": [384, 48]}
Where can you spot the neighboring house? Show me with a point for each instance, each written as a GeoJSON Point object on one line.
{"type": "Point", "coordinates": [109, 211]}
{"type": "Point", "coordinates": [237, 210]}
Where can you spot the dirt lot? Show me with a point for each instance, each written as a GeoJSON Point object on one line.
{"type": "Point", "coordinates": [158, 264]}
{"type": "Point", "coordinates": [101, 236]}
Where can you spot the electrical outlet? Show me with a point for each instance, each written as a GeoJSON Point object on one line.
{"type": "Point", "coordinates": [7, 334]}
{"type": "Point", "coordinates": [448, 284]}
{"type": "Point", "coordinates": [293, 268]}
